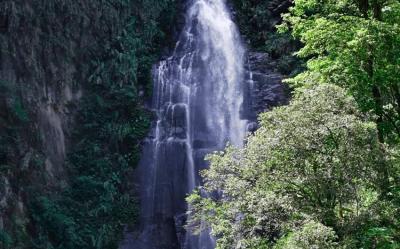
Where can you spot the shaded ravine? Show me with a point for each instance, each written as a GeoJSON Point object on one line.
{"type": "Point", "coordinates": [198, 100]}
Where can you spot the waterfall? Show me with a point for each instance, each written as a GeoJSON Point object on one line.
{"type": "Point", "coordinates": [197, 98]}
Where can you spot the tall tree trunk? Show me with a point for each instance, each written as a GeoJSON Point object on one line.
{"type": "Point", "coordinates": [396, 93]}
{"type": "Point", "coordinates": [377, 15]}
{"type": "Point", "coordinates": [363, 6]}
{"type": "Point", "coordinates": [376, 7]}
{"type": "Point", "coordinates": [376, 93]}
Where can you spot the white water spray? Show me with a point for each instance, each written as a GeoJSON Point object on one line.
{"type": "Point", "coordinates": [198, 95]}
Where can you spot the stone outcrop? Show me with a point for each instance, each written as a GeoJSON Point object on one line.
{"type": "Point", "coordinates": [46, 50]}
{"type": "Point", "coordinates": [264, 87]}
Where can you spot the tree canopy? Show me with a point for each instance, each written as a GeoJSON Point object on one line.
{"type": "Point", "coordinates": [307, 177]}
{"type": "Point", "coordinates": [354, 44]}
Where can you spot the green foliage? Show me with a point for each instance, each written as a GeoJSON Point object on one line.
{"type": "Point", "coordinates": [379, 237]}
{"type": "Point", "coordinates": [281, 47]}
{"type": "Point", "coordinates": [13, 102]}
{"type": "Point", "coordinates": [93, 209]}
{"type": "Point", "coordinates": [14, 119]}
{"type": "Point", "coordinates": [113, 44]}
{"type": "Point", "coordinates": [313, 162]}
{"type": "Point", "coordinates": [5, 240]}
{"type": "Point", "coordinates": [55, 224]}
{"type": "Point", "coordinates": [311, 235]}
{"type": "Point", "coordinates": [354, 44]}
{"type": "Point", "coordinates": [257, 20]}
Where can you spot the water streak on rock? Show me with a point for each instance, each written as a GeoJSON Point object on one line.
{"type": "Point", "coordinates": [198, 97]}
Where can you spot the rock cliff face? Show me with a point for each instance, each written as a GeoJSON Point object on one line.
{"type": "Point", "coordinates": [40, 66]}
{"type": "Point", "coordinates": [264, 88]}
{"type": "Point", "coordinates": [53, 56]}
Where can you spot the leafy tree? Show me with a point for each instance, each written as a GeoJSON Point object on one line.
{"type": "Point", "coordinates": [311, 235]}
{"type": "Point", "coordinates": [312, 161]}
{"type": "Point", "coordinates": [355, 44]}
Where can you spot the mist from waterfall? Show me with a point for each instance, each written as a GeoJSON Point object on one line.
{"type": "Point", "coordinates": [198, 96]}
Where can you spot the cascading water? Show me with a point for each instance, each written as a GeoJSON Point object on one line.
{"type": "Point", "coordinates": [198, 96]}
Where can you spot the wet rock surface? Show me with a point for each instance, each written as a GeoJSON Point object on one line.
{"type": "Point", "coordinates": [264, 88]}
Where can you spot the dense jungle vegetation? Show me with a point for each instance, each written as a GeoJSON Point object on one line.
{"type": "Point", "coordinates": [114, 44]}
{"type": "Point", "coordinates": [258, 21]}
{"type": "Point", "coordinates": [322, 172]}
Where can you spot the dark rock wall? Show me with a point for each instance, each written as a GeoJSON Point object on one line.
{"type": "Point", "coordinates": [264, 88]}
{"type": "Point", "coordinates": [49, 51]}
{"type": "Point", "coordinates": [267, 88]}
